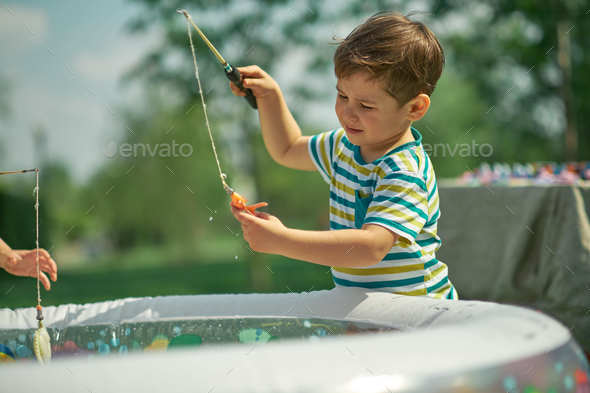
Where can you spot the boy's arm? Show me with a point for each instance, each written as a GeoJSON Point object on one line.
{"type": "Point", "coordinates": [342, 248]}
{"type": "Point", "coordinates": [280, 132]}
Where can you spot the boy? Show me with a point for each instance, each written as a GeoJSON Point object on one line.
{"type": "Point", "coordinates": [383, 192]}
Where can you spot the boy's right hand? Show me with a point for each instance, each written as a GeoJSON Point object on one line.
{"type": "Point", "coordinates": [254, 78]}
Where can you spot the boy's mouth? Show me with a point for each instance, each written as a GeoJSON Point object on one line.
{"type": "Point", "coordinates": [352, 130]}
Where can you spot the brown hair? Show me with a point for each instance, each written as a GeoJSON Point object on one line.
{"type": "Point", "coordinates": [403, 53]}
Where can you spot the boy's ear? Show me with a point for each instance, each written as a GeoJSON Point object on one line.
{"type": "Point", "coordinates": [418, 106]}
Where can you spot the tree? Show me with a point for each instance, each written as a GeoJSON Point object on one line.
{"type": "Point", "coordinates": [528, 58]}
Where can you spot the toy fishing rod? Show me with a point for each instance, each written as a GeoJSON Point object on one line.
{"type": "Point", "coordinates": [237, 201]}
{"type": "Point", "coordinates": [231, 72]}
{"type": "Point", "coordinates": [17, 172]}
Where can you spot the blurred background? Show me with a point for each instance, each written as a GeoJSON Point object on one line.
{"type": "Point", "coordinates": [101, 96]}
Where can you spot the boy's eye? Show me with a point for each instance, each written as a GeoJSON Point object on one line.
{"type": "Point", "coordinates": [366, 107]}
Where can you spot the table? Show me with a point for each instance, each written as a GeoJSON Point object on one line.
{"type": "Point", "coordinates": [522, 245]}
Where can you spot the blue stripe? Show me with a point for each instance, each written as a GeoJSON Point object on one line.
{"type": "Point", "coordinates": [378, 284]}
{"type": "Point", "coordinates": [400, 201]}
{"type": "Point", "coordinates": [430, 263]}
{"type": "Point", "coordinates": [433, 190]}
{"type": "Point", "coordinates": [314, 152]}
{"type": "Point", "coordinates": [410, 179]}
{"type": "Point", "coordinates": [392, 224]}
{"type": "Point", "coordinates": [425, 174]}
{"type": "Point", "coordinates": [394, 256]}
{"type": "Point", "coordinates": [335, 225]}
{"type": "Point", "coordinates": [434, 218]}
{"type": "Point", "coordinates": [427, 242]}
{"type": "Point", "coordinates": [450, 295]}
{"type": "Point", "coordinates": [332, 145]}
{"type": "Point", "coordinates": [438, 284]}
{"type": "Point", "coordinates": [413, 153]}
{"type": "Point", "coordinates": [343, 172]}
{"type": "Point", "coordinates": [342, 201]}
{"type": "Point", "coordinates": [392, 165]}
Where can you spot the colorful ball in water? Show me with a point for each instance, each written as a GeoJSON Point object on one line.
{"type": "Point", "coordinates": [6, 354]}
{"type": "Point", "coordinates": [185, 340]}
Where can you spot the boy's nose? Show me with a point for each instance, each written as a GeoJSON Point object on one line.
{"type": "Point", "coordinates": [351, 117]}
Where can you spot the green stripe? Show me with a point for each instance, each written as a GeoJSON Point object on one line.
{"type": "Point", "coordinates": [433, 190]}
{"type": "Point", "coordinates": [335, 225]}
{"type": "Point", "coordinates": [410, 179]}
{"type": "Point", "coordinates": [394, 256]}
{"type": "Point", "coordinates": [438, 284]}
{"type": "Point", "coordinates": [315, 155]}
{"type": "Point", "coordinates": [427, 242]}
{"type": "Point", "coordinates": [430, 263]}
{"type": "Point", "coordinates": [353, 178]}
{"type": "Point", "coordinates": [378, 284]}
{"type": "Point", "coordinates": [392, 224]}
{"type": "Point", "coordinates": [400, 201]}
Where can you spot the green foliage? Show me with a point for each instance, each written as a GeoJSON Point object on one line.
{"type": "Point", "coordinates": [509, 51]}
{"type": "Point", "coordinates": [189, 277]}
{"type": "Point", "coordinates": [162, 184]}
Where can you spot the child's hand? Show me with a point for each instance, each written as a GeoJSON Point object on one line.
{"type": "Point", "coordinates": [263, 232]}
{"type": "Point", "coordinates": [24, 263]}
{"type": "Point", "coordinates": [254, 78]}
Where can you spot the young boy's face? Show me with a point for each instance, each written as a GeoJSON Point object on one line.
{"type": "Point", "coordinates": [371, 117]}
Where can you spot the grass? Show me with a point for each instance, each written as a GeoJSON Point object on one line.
{"type": "Point", "coordinates": [261, 273]}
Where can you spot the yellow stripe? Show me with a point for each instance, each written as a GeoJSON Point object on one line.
{"type": "Point", "coordinates": [433, 204]}
{"type": "Point", "coordinates": [342, 187]}
{"type": "Point", "coordinates": [338, 150]}
{"type": "Point", "coordinates": [430, 179]}
{"type": "Point", "coordinates": [413, 220]}
{"type": "Point", "coordinates": [432, 233]}
{"type": "Point", "coordinates": [380, 270]}
{"type": "Point", "coordinates": [429, 276]}
{"type": "Point", "coordinates": [429, 253]}
{"type": "Point", "coordinates": [419, 161]}
{"type": "Point", "coordinates": [380, 172]}
{"type": "Point", "coordinates": [439, 293]}
{"type": "Point", "coordinates": [324, 155]}
{"type": "Point", "coordinates": [403, 156]}
{"type": "Point", "coordinates": [401, 190]}
{"type": "Point", "coordinates": [402, 242]}
{"type": "Point", "coordinates": [415, 292]}
{"type": "Point", "coordinates": [344, 158]}
{"type": "Point", "coordinates": [341, 214]}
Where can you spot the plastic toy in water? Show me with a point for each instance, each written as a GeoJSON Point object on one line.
{"type": "Point", "coordinates": [160, 343]}
{"type": "Point", "coordinates": [254, 336]}
{"type": "Point", "coordinates": [6, 354]}
{"type": "Point", "coordinates": [185, 340]}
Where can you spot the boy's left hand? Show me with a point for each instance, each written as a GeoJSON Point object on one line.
{"type": "Point", "coordinates": [263, 232]}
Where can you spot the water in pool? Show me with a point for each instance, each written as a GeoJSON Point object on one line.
{"type": "Point", "coordinates": [97, 340]}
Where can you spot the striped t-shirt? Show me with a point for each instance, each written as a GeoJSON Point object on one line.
{"type": "Point", "coordinates": [397, 191]}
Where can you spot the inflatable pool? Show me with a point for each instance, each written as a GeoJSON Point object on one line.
{"type": "Point", "coordinates": [341, 340]}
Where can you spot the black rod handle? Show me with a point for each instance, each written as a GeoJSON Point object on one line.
{"type": "Point", "coordinates": [234, 75]}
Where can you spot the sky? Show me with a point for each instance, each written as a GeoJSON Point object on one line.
{"type": "Point", "coordinates": [63, 61]}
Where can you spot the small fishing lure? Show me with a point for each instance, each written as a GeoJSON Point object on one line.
{"type": "Point", "coordinates": [41, 340]}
